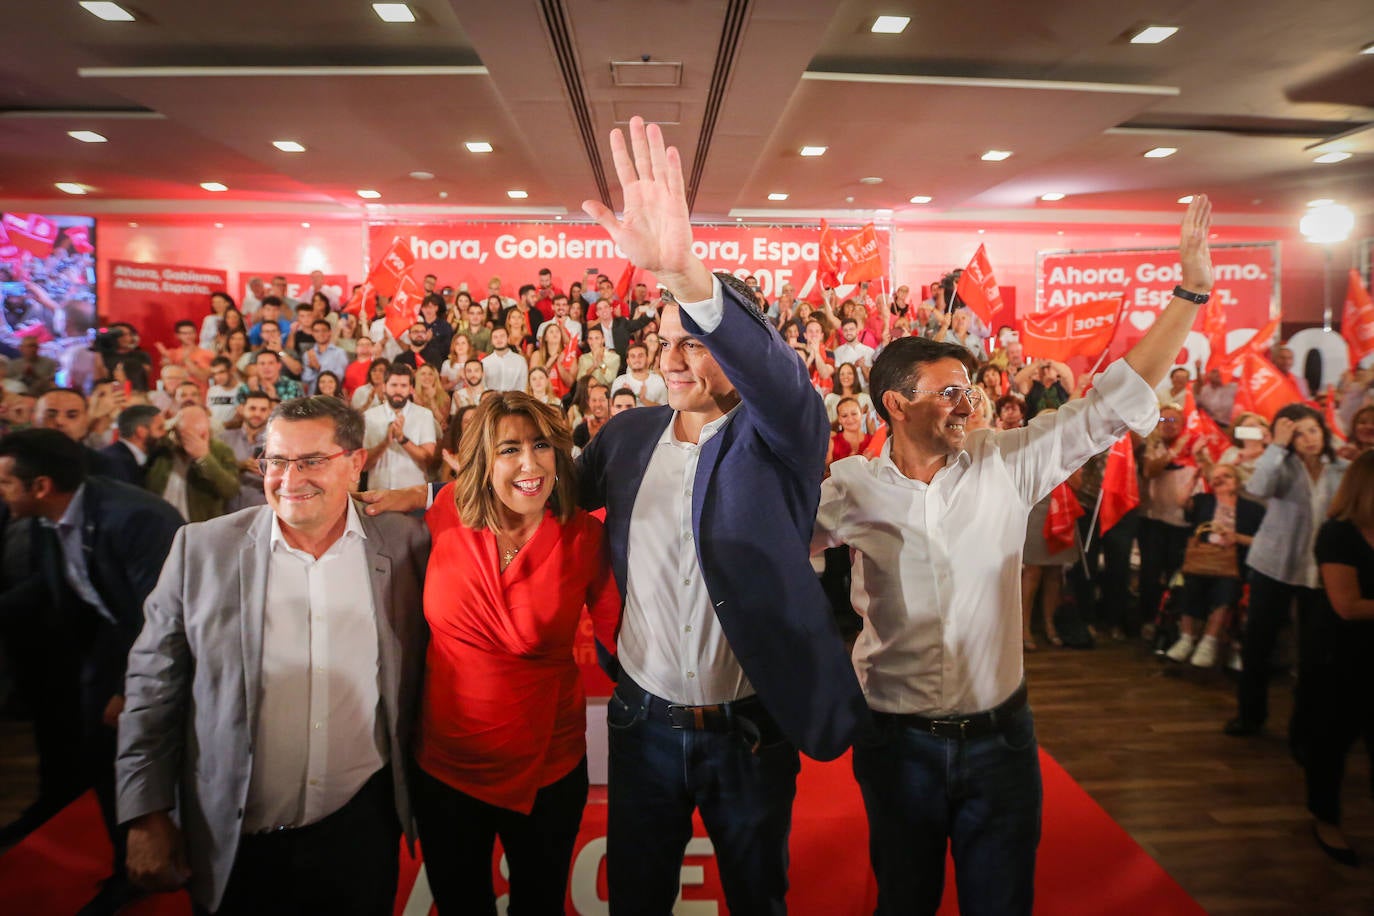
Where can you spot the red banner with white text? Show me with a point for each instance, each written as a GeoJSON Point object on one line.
{"type": "Point", "coordinates": [1246, 288]}
{"type": "Point", "coordinates": [473, 253]}
{"type": "Point", "coordinates": [154, 297]}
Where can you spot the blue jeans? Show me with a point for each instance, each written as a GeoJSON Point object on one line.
{"type": "Point", "coordinates": [658, 775]}
{"type": "Point", "coordinates": [980, 796]}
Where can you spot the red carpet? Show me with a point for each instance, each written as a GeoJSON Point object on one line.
{"type": "Point", "coordinates": [1087, 863]}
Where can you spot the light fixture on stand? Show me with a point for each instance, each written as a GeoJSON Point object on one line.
{"type": "Point", "coordinates": [1327, 225]}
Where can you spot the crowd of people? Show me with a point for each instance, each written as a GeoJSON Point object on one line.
{"type": "Point", "coordinates": [728, 437]}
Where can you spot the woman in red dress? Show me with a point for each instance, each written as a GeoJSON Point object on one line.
{"type": "Point", "coordinates": [851, 439]}
{"type": "Point", "coordinates": [501, 748]}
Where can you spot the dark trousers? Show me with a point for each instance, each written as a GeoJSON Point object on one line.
{"type": "Point", "coordinates": [1267, 613]}
{"type": "Point", "coordinates": [1161, 555]}
{"type": "Point", "coordinates": [1116, 580]}
{"type": "Point", "coordinates": [659, 774]}
{"type": "Point", "coordinates": [1337, 707]}
{"type": "Point", "coordinates": [347, 863]}
{"type": "Point", "coordinates": [458, 833]}
{"type": "Point", "coordinates": [981, 798]}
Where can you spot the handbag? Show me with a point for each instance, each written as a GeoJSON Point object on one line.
{"type": "Point", "coordinates": [1203, 558]}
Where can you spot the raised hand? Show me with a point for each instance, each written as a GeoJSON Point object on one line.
{"type": "Point", "coordinates": [1194, 254]}
{"type": "Point", "coordinates": [655, 229]}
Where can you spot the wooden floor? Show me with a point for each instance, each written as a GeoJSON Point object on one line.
{"type": "Point", "coordinates": [1224, 816]}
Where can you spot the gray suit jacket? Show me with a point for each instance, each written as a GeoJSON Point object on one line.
{"type": "Point", "coordinates": [191, 708]}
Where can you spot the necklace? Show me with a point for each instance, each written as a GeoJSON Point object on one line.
{"type": "Point", "coordinates": [508, 553]}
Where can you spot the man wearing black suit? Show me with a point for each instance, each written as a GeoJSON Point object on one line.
{"type": "Point", "coordinates": [140, 427]}
{"type": "Point", "coordinates": [100, 551]}
{"type": "Point", "coordinates": [617, 330]}
{"type": "Point", "coordinates": [65, 410]}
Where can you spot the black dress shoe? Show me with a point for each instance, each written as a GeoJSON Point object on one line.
{"type": "Point", "coordinates": [1344, 856]}
{"type": "Point", "coordinates": [1239, 728]}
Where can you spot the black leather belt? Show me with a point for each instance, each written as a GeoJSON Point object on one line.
{"type": "Point", "coordinates": [716, 717]}
{"type": "Point", "coordinates": [973, 725]}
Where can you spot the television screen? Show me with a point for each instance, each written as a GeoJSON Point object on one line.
{"type": "Point", "coordinates": [47, 275]}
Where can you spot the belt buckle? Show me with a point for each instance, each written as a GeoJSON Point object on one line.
{"type": "Point", "coordinates": [945, 728]}
{"type": "Point", "coordinates": [680, 716]}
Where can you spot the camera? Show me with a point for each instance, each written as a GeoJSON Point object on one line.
{"type": "Point", "coordinates": [105, 340]}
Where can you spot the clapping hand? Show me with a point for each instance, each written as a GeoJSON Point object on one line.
{"type": "Point", "coordinates": [655, 228]}
{"type": "Point", "coordinates": [398, 428]}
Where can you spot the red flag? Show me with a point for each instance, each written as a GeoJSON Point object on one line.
{"type": "Point", "coordinates": [978, 287]}
{"type": "Point", "coordinates": [1263, 388]}
{"type": "Point", "coordinates": [1214, 329]}
{"type": "Point", "coordinates": [828, 267]}
{"type": "Point", "coordinates": [394, 264]}
{"type": "Point", "coordinates": [1357, 320]}
{"type": "Point", "coordinates": [1120, 488]}
{"type": "Point", "coordinates": [1197, 426]}
{"type": "Point", "coordinates": [1085, 329]}
{"type": "Point", "coordinates": [1060, 523]}
{"type": "Point", "coordinates": [33, 233]}
{"type": "Point", "coordinates": [80, 237]}
{"type": "Point", "coordinates": [861, 251]}
{"type": "Point", "coordinates": [404, 306]}
{"type": "Point", "coordinates": [1230, 363]}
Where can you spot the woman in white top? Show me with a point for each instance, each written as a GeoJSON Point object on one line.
{"type": "Point", "coordinates": [459, 352]}
{"type": "Point", "coordinates": [847, 386]}
{"type": "Point", "coordinates": [209, 325]}
{"type": "Point", "coordinates": [374, 392]}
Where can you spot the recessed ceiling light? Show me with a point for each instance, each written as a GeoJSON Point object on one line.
{"type": "Point", "coordinates": [890, 25]}
{"type": "Point", "coordinates": [1186, 199]}
{"type": "Point", "coordinates": [996, 155]}
{"type": "Point", "coordinates": [1321, 202]}
{"type": "Point", "coordinates": [219, 225]}
{"type": "Point", "coordinates": [1332, 157]}
{"type": "Point", "coordinates": [305, 225]}
{"type": "Point", "coordinates": [393, 12]}
{"type": "Point", "coordinates": [1052, 195]}
{"type": "Point", "coordinates": [1161, 152]}
{"type": "Point", "coordinates": [921, 199]}
{"type": "Point", "coordinates": [110, 12]}
{"type": "Point", "coordinates": [777, 196]}
{"type": "Point", "coordinates": [981, 231]}
{"type": "Point", "coordinates": [871, 179]}
{"type": "Point", "coordinates": [849, 200]}
{"type": "Point", "coordinates": [1368, 49]}
{"type": "Point", "coordinates": [71, 187]}
{"type": "Point", "coordinates": [214, 186]}
{"type": "Point", "coordinates": [478, 146]}
{"type": "Point", "coordinates": [1153, 34]}
{"type": "Point", "coordinates": [814, 150]}
{"type": "Point", "coordinates": [133, 225]}
{"type": "Point", "coordinates": [443, 195]}
{"type": "Point", "coordinates": [86, 136]}
{"type": "Point", "coordinates": [422, 176]}
{"type": "Point", "coordinates": [558, 217]}
{"type": "Point", "coordinates": [517, 195]}
{"type": "Point", "coordinates": [369, 194]}
{"type": "Point", "coordinates": [288, 146]}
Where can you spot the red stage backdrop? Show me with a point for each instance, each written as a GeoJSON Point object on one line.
{"type": "Point", "coordinates": [1246, 287]}
{"type": "Point", "coordinates": [473, 253]}
{"type": "Point", "coordinates": [154, 297]}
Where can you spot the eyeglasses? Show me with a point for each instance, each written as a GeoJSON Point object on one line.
{"type": "Point", "coordinates": [308, 464]}
{"type": "Point", "coordinates": [1168, 419]}
{"type": "Point", "coordinates": [952, 393]}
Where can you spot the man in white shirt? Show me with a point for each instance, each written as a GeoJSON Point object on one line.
{"type": "Point", "coordinates": [505, 370]}
{"type": "Point", "coordinates": [270, 695]}
{"type": "Point", "coordinates": [648, 386]}
{"type": "Point", "coordinates": [400, 437]}
{"type": "Point", "coordinates": [572, 330]}
{"type": "Point", "coordinates": [473, 387]}
{"type": "Point", "coordinates": [854, 351]}
{"type": "Point", "coordinates": [938, 523]}
{"type": "Point", "coordinates": [222, 396]}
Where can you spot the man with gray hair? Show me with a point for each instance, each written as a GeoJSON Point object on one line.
{"type": "Point", "coordinates": [270, 695]}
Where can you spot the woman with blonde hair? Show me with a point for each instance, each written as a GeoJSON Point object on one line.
{"type": "Point", "coordinates": [501, 748]}
{"type": "Point", "coordinates": [519, 333]}
{"type": "Point", "coordinates": [459, 352]}
{"type": "Point", "coordinates": [430, 393]}
{"type": "Point", "coordinates": [550, 357]}
{"type": "Point", "coordinates": [538, 387]}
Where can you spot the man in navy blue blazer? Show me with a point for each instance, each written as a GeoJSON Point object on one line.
{"type": "Point", "coordinates": [729, 659]}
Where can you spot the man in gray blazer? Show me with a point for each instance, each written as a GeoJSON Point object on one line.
{"type": "Point", "coordinates": [270, 695]}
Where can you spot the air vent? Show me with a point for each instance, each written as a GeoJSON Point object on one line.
{"type": "Point", "coordinates": [661, 113]}
{"type": "Point", "coordinates": [642, 74]}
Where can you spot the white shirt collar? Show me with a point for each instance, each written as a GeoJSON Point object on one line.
{"type": "Point", "coordinates": [669, 436]}
{"type": "Point", "coordinates": [885, 468]}
{"type": "Point", "coordinates": [139, 455]}
{"type": "Point", "coordinates": [353, 526]}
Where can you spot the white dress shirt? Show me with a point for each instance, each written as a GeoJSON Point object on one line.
{"type": "Point", "coordinates": [671, 642]}
{"type": "Point", "coordinates": [70, 535]}
{"type": "Point", "coordinates": [319, 736]}
{"type": "Point", "coordinates": [395, 468]}
{"type": "Point", "coordinates": [859, 354]}
{"type": "Point", "coordinates": [505, 371]}
{"type": "Point", "coordinates": [937, 571]}
{"type": "Point", "coordinates": [652, 387]}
